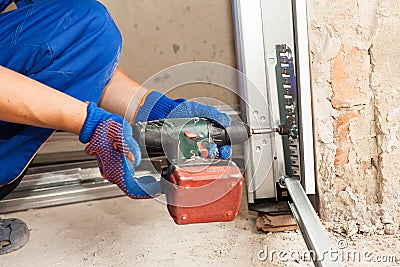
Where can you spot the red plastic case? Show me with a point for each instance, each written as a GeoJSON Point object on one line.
{"type": "Point", "coordinates": [202, 193]}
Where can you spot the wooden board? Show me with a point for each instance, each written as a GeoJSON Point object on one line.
{"type": "Point", "coordinates": [280, 223]}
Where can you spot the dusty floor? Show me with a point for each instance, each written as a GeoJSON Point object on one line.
{"type": "Point", "coordinates": [121, 232]}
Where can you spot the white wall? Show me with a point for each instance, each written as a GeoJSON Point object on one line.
{"type": "Point", "coordinates": [159, 34]}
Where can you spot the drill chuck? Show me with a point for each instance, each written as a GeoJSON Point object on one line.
{"type": "Point", "coordinates": [237, 133]}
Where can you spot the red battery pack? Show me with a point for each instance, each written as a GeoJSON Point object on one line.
{"type": "Point", "coordinates": [204, 192]}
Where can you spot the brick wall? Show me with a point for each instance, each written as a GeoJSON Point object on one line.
{"type": "Point", "coordinates": [356, 95]}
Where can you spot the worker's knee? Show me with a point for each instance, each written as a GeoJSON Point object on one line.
{"type": "Point", "coordinates": [85, 10]}
{"type": "Point", "coordinates": [67, 29]}
{"type": "Point", "coordinates": [90, 14]}
{"type": "Point", "coordinates": [72, 21]}
{"type": "Point", "coordinates": [66, 44]}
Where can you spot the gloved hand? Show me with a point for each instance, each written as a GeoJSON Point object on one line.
{"type": "Point", "coordinates": [156, 106]}
{"type": "Point", "coordinates": [111, 142]}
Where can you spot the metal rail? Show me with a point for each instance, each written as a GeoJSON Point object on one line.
{"type": "Point", "coordinates": [313, 232]}
{"type": "Point", "coordinates": [75, 183]}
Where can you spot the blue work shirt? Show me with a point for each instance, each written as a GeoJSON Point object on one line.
{"type": "Point", "coordinates": [70, 45]}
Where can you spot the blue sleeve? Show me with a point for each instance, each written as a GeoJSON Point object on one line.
{"type": "Point", "coordinates": [4, 4]}
{"type": "Point", "coordinates": [21, 3]}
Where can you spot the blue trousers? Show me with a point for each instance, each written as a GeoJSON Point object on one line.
{"type": "Point", "coordinates": [70, 45]}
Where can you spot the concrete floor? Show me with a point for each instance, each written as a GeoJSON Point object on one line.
{"type": "Point", "coordinates": [121, 232]}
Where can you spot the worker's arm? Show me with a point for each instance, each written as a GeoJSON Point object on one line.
{"type": "Point", "coordinates": [26, 101]}
{"type": "Point", "coordinates": [109, 136]}
{"type": "Point", "coordinates": [124, 96]}
{"type": "Point", "coordinates": [127, 98]}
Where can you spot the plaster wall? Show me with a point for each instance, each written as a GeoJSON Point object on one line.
{"type": "Point", "coordinates": [355, 61]}
{"type": "Point", "coordinates": [159, 34]}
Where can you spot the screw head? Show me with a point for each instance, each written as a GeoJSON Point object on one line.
{"type": "Point", "coordinates": [282, 180]}
{"type": "Point", "coordinates": [264, 142]}
{"type": "Point", "coordinates": [294, 131]}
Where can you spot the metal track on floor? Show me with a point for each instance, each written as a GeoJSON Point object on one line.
{"type": "Point", "coordinates": [314, 234]}
{"type": "Point", "coordinates": [61, 184]}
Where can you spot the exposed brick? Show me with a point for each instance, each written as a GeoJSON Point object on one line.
{"type": "Point", "coordinates": [341, 137]}
{"type": "Point", "coordinates": [344, 82]}
{"type": "Point", "coordinates": [339, 184]}
{"type": "Point", "coordinates": [366, 165]}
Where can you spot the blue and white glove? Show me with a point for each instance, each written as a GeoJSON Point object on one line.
{"type": "Point", "coordinates": [117, 153]}
{"type": "Point", "coordinates": [156, 106]}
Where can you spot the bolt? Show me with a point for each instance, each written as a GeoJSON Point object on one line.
{"type": "Point", "coordinates": [282, 181]}
{"type": "Point", "coordinates": [294, 131]}
{"type": "Point", "coordinates": [184, 217]}
{"type": "Point", "coordinates": [228, 213]}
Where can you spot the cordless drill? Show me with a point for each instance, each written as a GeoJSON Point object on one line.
{"type": "Point", "coordinates": [188, 138]}
{"type": "Point", "coordinates": [198, 189]}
